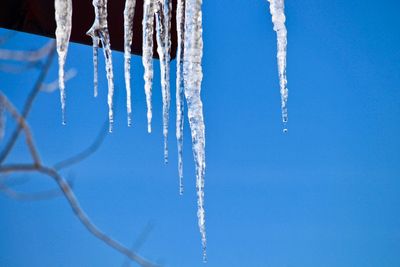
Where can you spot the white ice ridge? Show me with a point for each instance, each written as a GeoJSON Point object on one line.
{"type": "Point", "coordinates": [163, 20]}
{"type": "Point", "coordinates": [147, 55]}
{"type": "Point", "coordinates": [193, 76]}
{"type": "Point", "coordinates": [129, 13]}
{"type": "Point", "coordinates": [180, 27]}
{"type": "Point", "coordinates": [277, 9]}
{"type": "Point", "coordinates": [99, 31]}
{"type": "Point", "coordinates": [63, 15]}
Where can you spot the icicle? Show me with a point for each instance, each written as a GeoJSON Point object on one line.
{"type": "Point", "coordinates": [147, 57]}
{"type": "Point", "coordinates": [99, 31]}
{"type": "Point", "coordinates": [63, 9]}
{"type": "Point", "coordinates": [96, 65]}
{"type": "Point", "coordinates": [163, 52]}
{"type": "Point", "coordinates": [129, 14]}
{"type": "Point", "coordinates": [180, 25]}
{"type": "Point", "coordinates": [167, 100]}
{"type": "Point", "coordinates": [277, 9]}
{"type": "Point", "coordinates": [193, 76]}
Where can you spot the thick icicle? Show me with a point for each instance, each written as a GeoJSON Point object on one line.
{"type": "Point", "coordinates": [99, 31]}
{"type": "Point", "coordinates": [147, 57]}
{"type": "Point", "coordinates": [129, 14]}
{"type": "Point", "coordinates": [180, 26]}
{"type": "Point", "coordinates": [163, 52]}
{"type": "Point", "coordinates": [63, 9]}
{"type": "Point", "coordinates": [193, 76]}
{"type": "Point", "coordinates": [277, 9]}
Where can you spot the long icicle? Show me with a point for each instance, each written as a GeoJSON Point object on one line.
{"type": "Point", "coordinates": [63, 15]}
{"type": "Point", "coordinates": [180, 27]}
{"type": "Point", "coordinates": [162, 50]}
{"type": "Point", "coordinates": [99, 31]}
{"type": "Point", "coordinates": [167, 4]}
{"type": "Point", "coordinates": [277, 9]}
{"type": "Point", "coordinates": [129, 14]}
{"type": "Point", "coordinates": [147, 57]}
{"type": "Point", "coordinates": [193, 76]}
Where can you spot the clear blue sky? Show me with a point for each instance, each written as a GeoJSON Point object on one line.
{"type": "Point", "coordinates": [324, 195]}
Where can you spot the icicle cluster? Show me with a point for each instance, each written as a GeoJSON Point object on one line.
{"type": "Point", "coordinates": [277, 9]}
{"type": "Point", "coordinates": [63, 9]}
{"type": "Point", "coordinates": [188, 73]}
{"type": "Point", "coordinates": [189, 77]}
{"type": "Point", "coordinates": [99, 33]}
{"type": "Point", "coordinates": [189, 70]}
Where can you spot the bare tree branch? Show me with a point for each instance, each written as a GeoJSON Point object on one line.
{"type": "Point", "coordinates": [28, 103]}
{"type": "Point", "coordinates": [37, 166]}
{"type": "Point", "coordinates": [52, 172]}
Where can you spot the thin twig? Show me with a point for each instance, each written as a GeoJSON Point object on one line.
{"type": "Point", "coordinates": [139, 242]}
{"type": "Point", "coordinates": [22, 124]}
{"type": "Point", "coordinates": [54, 85]}
{"type": "Point", "coordinates": [19, 68]}
{"type": "Point", "coordinates": [85, 153]}
{"type": "Point", "coordinates": [37, 196]}
{"type": "Point", "coordinates": [30, 56]}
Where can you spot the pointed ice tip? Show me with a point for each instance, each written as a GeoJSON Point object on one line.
{"type": "Point", "coordinates": [165, 153]}
{"type": "Point", "coordinates": [63, 121]}
{"type": "Point", "coordinates": [149, 128]}
{"type": "Point", "coordinates": [204, 255]}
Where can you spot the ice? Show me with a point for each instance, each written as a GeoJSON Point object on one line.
{"type": "Point", "coordinates": [96, 65]}
{"type": "Point", "coordinates": [180, 26]}
{"type": "Point", "coordinates": [63, 15]}
{"type": "Point", "coordinates": [147, 57]}
{"type": "Point", "coordinates": [277, 9]}
{"type": "Point", "coordinates": [193, 76]}
{"type": "Point", "coordinates": [129, 14]}
{"type": "Point", "coordinates": [162, 37]}
{"type": "Point", "coordinates": [99, 31]}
